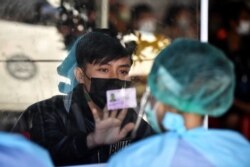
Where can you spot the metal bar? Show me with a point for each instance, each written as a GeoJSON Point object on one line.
{"type": "Point", "coordinates": [102, 13]}
{"type": "Point", "coordinates": [204, 21]}
{"type": "Point", "coordinates": [204, 36]}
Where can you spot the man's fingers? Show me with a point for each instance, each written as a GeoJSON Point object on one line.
{"type": "Point", "coordinates": [113, 113]}
{"type": "Point", "coordinates": [95, 115]}
{"type": "Point", "coordinates": [111, 123]}
{"type": "Point", "coordinates": [105, 113]}
{"type": "Point", "coordinates": [92, 105]}
{"type": "Point", "coordinates": [126, 129]}
{"type": "Point", "coordinates": [122, 114]}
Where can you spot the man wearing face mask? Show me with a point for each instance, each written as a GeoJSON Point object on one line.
{"type": "Point", "coordinates": [188, 81]}
{"type": "Point", "coordinates": [143, 18]}
{"type": "Point", "coordinates": [179, 21]}
{"type": "Point", "coordinates": [77, 128]}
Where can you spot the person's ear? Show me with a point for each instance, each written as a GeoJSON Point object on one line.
{"type": "Point", "coordinates": [79, 75]}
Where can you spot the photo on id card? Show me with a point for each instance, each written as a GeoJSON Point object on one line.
{"type": "Point", "coordinates": [121, 98]}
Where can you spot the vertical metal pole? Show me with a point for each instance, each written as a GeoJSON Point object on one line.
{"type": "Point", "coordinates": [102, 12]}
{"type": "Point", "coordinates": [204, 35]}
{"type": "Point", "coordinates": [204, 21]}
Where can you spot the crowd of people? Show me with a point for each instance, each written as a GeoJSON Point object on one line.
{"type": "Point", "coordinates": [230, 31]}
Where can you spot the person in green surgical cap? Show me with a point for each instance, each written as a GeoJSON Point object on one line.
{"type": "Point", "coordinates": [189, 80]}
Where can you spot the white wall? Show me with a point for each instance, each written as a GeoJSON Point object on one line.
{"type": "Point", "coordinates": [38, 43]}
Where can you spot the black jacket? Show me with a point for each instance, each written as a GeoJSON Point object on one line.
{"type": "Point", "coordinates": [61, 125]}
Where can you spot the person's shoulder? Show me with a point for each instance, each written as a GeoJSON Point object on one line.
{"type": "Point", "coordinates": [225, 135]}
{"type": "Point", "coordinates": [137, 154]}
{"type": "Point", "coordinates": [22, 152]}
{"type": "Point", "coordinates": [229, 145]}
{"type": "Point", "coordinates": [231, 137]}
{"type": "Point", "coordinates": [216, 135]}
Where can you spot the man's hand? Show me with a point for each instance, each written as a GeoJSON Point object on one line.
{"type": "Point", "coordinates": [108, 128]}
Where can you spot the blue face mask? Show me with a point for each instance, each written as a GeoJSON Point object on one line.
{"type": "Point", "coordinates": [151, 117]}
{"type": "Point", "coordinates": [174, 122]}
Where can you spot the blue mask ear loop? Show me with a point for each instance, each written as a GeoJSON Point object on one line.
{"type": "Point", "coordinates": [152, 118]}
{"type": "Point", "coordinates": [141, 112]}
{"type": "Point", "coordinates": [174, 122]}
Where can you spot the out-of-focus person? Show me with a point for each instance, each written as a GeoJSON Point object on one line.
{"type": "Point", "coordinates": [231, 32]}
{"type": "Point", "coordinates": [180, 21]}
{"type": "Point", "coordinates": [29, 11]}
{"type": "Point", "coordinates": [143, 18]}
{"type": "Point", "coordinates": [119, 16]}
{"type": "Point", "coordinates": [15, 150]}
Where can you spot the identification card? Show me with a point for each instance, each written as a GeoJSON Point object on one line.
{"type": "Point", "coordinates": [121, 98]}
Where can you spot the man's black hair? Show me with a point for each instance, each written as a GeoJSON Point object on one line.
{"type": "Point", "coordinates": [99, 47]}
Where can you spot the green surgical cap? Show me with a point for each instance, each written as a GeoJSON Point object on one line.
{"type": "Point", "coordinates": [193, 77]}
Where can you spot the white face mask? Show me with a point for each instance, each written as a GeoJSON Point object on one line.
{"type": "Point", "coordinates": [183, 23]}
{"type": "Point", "coordinates": [244, 27]}
{"type": "Point", "coordinates": [148, 25]}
